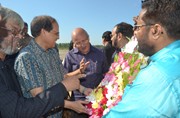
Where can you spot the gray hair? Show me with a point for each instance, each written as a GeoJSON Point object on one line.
{"type": "Point", "coordinates": [6, 14]}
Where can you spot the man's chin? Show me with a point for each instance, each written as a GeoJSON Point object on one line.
{"type": "Point", "coordinates": [84, 51]}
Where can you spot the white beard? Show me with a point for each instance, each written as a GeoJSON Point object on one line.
{"type": "Point", "coordinates": [10, 46]}
{"type": "Point", "coordinates": [9, 50]}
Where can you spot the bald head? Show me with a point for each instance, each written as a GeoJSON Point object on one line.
{"type": "Point", "coordinates": [81, 40]}
{"type": "Point", "coordinates": [79, 32]}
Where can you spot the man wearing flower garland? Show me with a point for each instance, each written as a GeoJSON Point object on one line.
{"type": "Point", "coordinates": [121, 34]}
{"type": "Point", "coordinates": [122, 71]}
{"type": "Point", "coordinates": [156, 90]}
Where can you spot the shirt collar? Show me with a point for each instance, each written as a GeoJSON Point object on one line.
{"type": "Point", "coordinates": [118, 50]}
{"type": "Point", "coordinates": [36, 46]}
{"type": "Point", "coordinates": [162, 52]}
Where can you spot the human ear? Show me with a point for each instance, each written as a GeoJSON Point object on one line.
{"type": "Point", "coordinates": [156, 31]}
{"type": "Point", "coordinates": [119, 36]}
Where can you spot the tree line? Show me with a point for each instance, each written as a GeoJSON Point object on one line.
{"type": "Point", "coordinates": [66, 45]}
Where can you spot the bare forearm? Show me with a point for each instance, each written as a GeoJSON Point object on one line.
{"type": "Point", "coordinates": [76, 72]}
{"type": "Point", "coordinates": [67, 104]}
{"type": "Point", "coordinates": [82, 89]}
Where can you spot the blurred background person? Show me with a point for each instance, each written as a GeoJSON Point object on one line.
{"type": "Point", "coordinates": [121, 34]}
{"type": "Point", "coordinates": [71, 45]}
{"type": "Point", "coordinates": [108, 49]}
{"type": "Point", "coordinates": [26, 37]}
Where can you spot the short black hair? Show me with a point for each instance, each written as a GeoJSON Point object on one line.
{"type": "Point", "coordinates": [165, 13]}
{"type": "Point", "coordinates": [41, 22]}
{"type": "Point", "coordinates": [107, 36]}
{"type": "Point", "coordinates": [71, 45]}
{"type": "Point", "coordinates": [125, 28]}
{"type": "Point", "coordinates": [25, 24]}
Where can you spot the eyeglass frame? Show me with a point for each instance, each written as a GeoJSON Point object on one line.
{"type": "Point", "coordinates": [55, 32]}
{"type": "Point", "coordinates": [85, 41]}
{"type": "Point", "coordinates": [14, 32]}
{"type": "Point", "coordinates": [137, 27]}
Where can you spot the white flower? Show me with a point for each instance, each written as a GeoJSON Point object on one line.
{"type": "Point", "coordinates": [129, 48]}
{"type": "Point", "coordinates": [103, 83]}
{"type": "Point", "coordinates": [106, 111]}
{"type": "Point", "coordinates": [90, 98]}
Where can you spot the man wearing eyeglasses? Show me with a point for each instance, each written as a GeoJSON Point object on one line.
{"type": "Point", "coordinates": [87, 53]}
{"type": "Point", "coordinates": [12, 103]}
{"type": "Point", "coordinates": [38, 65]}
{"type": "Point", "coordinates": [155, 92]}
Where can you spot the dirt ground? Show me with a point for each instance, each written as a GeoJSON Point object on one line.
{"type": "Point", "coordinates": [63, 53]}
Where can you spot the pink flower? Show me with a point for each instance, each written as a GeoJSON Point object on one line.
{"type": "Point", "coordinates": [122, 72]}
{"type": "Point", "coordinates": [108, 77]}
{"type": "Point", "coordinates": [113, 66]}
{"type": "Point", "coordinates": [137, 62]}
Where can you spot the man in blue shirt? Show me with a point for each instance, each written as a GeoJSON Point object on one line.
{"type": "Point", "coordinates": [84, 51]}
{"type": "Point", "coordinates": [155, 93]}
{"type": "Point", "coordinates": [38, 65]}
{"type": "Point", "coordinates": [12, 103]}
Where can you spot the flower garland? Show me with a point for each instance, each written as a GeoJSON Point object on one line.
{"type": "Point", "coordinates": [122, 71]}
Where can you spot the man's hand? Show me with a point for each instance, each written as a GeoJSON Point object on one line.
{"type": "Point", "coordinates": [80, 70]}
{"type": "Point", "coordinates": [77, 106]}
{"type": "Point", "coordinates": [87, 91]}
{"type": "Point", "coordinates": [84, 90]}
{"type": "Point", "coordinates": [72, 83]}
{"type": "Point", "coordinates": [83, 65]}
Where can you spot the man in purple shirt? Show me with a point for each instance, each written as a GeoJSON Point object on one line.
{"type": "Point", "coordinates": [84, 51]}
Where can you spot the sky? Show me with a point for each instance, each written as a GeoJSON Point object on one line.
{"type": "Point", "coordinates": [95, 16]}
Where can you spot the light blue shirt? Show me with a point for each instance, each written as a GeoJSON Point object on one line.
{"type": "Point", "coordinates": [155, 93]}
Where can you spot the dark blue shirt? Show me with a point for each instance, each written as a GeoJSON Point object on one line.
{"type": "Point", "coordinates": [95, 70]}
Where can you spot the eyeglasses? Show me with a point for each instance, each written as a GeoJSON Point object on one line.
{"type": "Point", "coordinates": [14, 32]}
{"type": "Point", "coordinates": [137, 27]}
{"type": "Point", "coordinates": [83, 42]}
{"type": "Point", "coordinates": [54, 32]}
